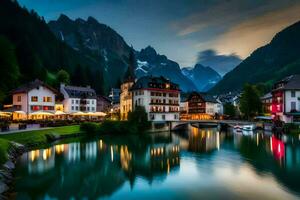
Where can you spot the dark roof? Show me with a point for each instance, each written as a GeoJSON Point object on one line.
{"type": "Point", "coordinates": [204, 96]}
{"type": "Point", "coordinates": [267, 96]}
{"type": "Point", "coordinates": [32, 85]}
{"type": "Point", "coordinates": [104, 98]}
{"type": "Point", "coordinates": [80, 92]}
{"type": "Point", "coordinates": [289, 83]}
{"type": "Point", "coordinates": [154, 82]}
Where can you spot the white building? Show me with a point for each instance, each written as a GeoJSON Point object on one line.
{"type": "Point", "coordinates": [286, 99]}
{"type": "Point", "coordinates": [78, 99]}
{"type": "Point", "coordinates": [159, 96]}
{"type": "Point", "coordinates": [33, 100]}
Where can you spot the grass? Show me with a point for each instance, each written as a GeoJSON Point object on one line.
{"type": "Point", "coordinates": [39, 135]}
{"type": "Point", "coordinates": [29, 137]}
{"type": "Point", "coordinates": [4, 146]}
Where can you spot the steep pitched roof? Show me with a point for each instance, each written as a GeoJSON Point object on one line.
{"type": "Point", "coordinates": [32, 85]}
{"type": "Point", "coordinates": [154, 82]}
{"type": "Point", "coordinates": [80, 92]}
{"type": "Point", "coordinates": [204, 96]}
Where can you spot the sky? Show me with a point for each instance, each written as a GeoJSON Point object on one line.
{"type": "Point", "coordinates": [184, 30]}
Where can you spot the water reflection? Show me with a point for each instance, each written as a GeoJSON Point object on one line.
{"type": "Point", "coordinates": [186, 162]}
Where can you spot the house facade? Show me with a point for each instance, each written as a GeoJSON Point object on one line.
{"type": "Point", "coordinates": [266, 101]}
{"type": "Point", "coordinates": [159, 96]}
{"type": "Point", "coordinates": [286, 99]}
{"type": "Point", "coordinates": [202, 107]}
{"type": "Point", "coordinates": [126, 99]}
{"type": "Point", "coordinates": [33, 100]}
{"type": "Point", "coordinates": [78, 99]}
{"type": "Point", "coordinates": [103, 103]}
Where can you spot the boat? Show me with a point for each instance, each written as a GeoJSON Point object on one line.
{"type": "Point", "coordinates": [248, 127]}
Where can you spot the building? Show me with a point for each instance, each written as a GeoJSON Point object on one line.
{"type": "Point", "coordinates": [114, 95]}
{"type": "Point", "coordinates": [202, 107]}
{"type": "Point", "coordinates": [286, 99]}
{"type": "Point", "coordinates": [34, 100]}
{"type": "Point", "coordinates": [103, 104]}
{"type": "Point", "coordinates": [78, 99]}
{"type": "Point", "coordinates": [159, 96]}
{"type": "Point", "coordinates": [266, 101]}
{"type": "Point", "coordinates": [126, 99]}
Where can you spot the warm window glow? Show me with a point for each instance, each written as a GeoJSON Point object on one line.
{"type": "Point", "coordinates": [47, 99]}
{"type": "Point", "coordinates": [34, 98]}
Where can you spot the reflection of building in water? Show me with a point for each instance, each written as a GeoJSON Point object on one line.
{"type": "Point", "coordinates": [164, 158]}
{"type": "Point", "coordinates": [203, 140]}
{"type": "Point", "coordinates": [40, 160]}
{"type": "Point", "coordinates": [287, 154]}
{"type": "Point", "coordinates": [292, 156]}
{"type": "Point", "coordinates": [125, 157]}
{"type": "Point", "coordinates": [74, 152]}
{"type": "Point", "coordinates": [91, 150]}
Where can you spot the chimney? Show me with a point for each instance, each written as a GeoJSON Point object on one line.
{"type": "Point", "coordinates": [62, 85]}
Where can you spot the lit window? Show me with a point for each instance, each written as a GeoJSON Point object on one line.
{"type": "Point", "coordinates": [34, 98]}
{"type": "Point", "coordinates": [19, 98]}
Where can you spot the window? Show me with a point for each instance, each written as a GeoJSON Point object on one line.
{"type": "Point", "coordinates": [93, 102]}
{"type": "Point", "coordinates": [72, 108]}
{"type": "Point", "coordinates": [293, 106]}
{"type": "Point", "coordinates": [72, 102]}
{"type": "Point", "coordinates": [88, 108]}
{"type": "Point", "coordinates": [77, 101]}
{"type": "Point", "coordinates": [34, 98]}
{"type": "Point", "coordinates": [19, 98]}
{"type": "Point", "coordinates": [77, 108]}
{"type": "Point", "coordinates": [163, 117]}
{"type": "Point", "coordinates": [93, 108]}
{"type": "Point", "coordinates": [293, 94]}
{"type": "Point", "coordinates": [47, 99]}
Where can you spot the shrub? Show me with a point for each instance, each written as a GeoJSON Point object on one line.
{"type": "Point", "coordinates": [89, 127]}
{"type": "Point", "coordinates": [117, 127]}
{"type": "Point", "coordinates": [139, 119]}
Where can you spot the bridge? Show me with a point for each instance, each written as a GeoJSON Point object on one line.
{"type": "Point", "coordinates": [175, 125]}
{"type": "Point", "coordinates": [187, 124]}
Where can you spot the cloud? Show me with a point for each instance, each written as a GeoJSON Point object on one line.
{"type": "Point", "coordinates": [245, 37]}
{"type": "Point", "coordinates": [221, 63]}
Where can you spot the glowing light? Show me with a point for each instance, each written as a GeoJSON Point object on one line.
{"type": "Point", "coordinates": [112, 153]}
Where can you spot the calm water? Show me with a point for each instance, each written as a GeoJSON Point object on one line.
{"type": "Point", "coordinates": [201, 164]}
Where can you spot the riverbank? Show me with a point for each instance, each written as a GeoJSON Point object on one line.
{"type": "Point", "coordinates": [15, 144]}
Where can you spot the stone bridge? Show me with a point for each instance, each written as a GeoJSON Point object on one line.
{"type": "Point", "coordinates": [187, 124]}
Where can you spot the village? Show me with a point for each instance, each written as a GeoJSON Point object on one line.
{"type": "Point", "coordinates": [37, 104]}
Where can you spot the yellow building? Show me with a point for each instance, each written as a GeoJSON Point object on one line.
{"type": "Point", "coordinates": [126, 99]}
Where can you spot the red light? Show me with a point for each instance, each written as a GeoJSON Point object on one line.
{"type": "Point", "coordinates": [278, 148]}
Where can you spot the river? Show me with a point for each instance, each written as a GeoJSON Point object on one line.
{"type": "Point", "coordinates": [200, 164]}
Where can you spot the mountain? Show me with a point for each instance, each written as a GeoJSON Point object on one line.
{"type": "Point", "coordinates": [203, 77]}
{"type": "Point", "coordinates": [267, 64]}
{"type": "Point", "coordinates": [97, 41]}
{"type": "Point", "coordinates": [149, 62]}
{"type": "Point", "coordinates": [38, 53]}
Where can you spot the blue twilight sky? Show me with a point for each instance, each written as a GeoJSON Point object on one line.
{"type": "Point", "coordinates": [183, 29]}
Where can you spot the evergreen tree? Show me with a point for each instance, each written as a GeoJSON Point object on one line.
{"type": "Point", "coordinates": [99, 83]}
{"type": "Point", "coordinates": [229, 109]}
{"type": "Point", "coordinates": [250, 104]}
{"type": "Point", "coordinates": [129, 75]}
{"type": "Point", "coordinates": [63, 77]}
{"type": "Point", "coordinates": [9, 70]}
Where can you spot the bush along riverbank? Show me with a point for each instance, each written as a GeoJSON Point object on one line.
{"type": "Point", "coordinates": [137, 123]}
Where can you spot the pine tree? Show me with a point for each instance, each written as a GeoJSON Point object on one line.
{"type": "Point", "coordinates": [129, 75]}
